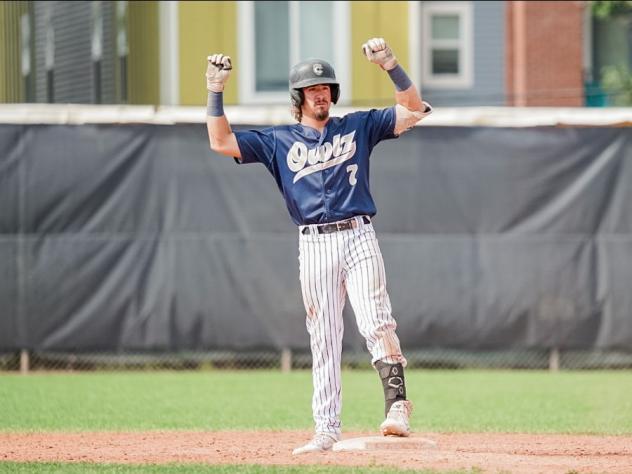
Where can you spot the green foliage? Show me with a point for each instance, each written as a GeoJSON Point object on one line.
{"type": "Point", "coordinates": [616, 81]}
{"type": "Point", "coordinates": [603, 9]}
{"type": "Point", "coordinates": [54, 468]}
{"type": "Point", "coordinates": [88, 468]}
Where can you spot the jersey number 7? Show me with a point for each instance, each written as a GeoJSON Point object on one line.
{"type": "Point", "coordinates": [352, 170]}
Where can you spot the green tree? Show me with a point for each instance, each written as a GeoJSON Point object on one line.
{"type": "Point", "coordinates": [616, 80]}
{"type": "Point", "coordinates": [603, 9]}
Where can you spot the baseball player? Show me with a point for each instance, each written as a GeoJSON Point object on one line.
{"type": "Point", "coordinates": [321, 166]}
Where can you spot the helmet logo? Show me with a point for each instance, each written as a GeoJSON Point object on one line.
{"type": "Point", "coordinates": [318, 69]}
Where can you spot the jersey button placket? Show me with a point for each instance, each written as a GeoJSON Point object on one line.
{"type": "Point", "coordinates": [324, 181]}
{"type": "Point", "coordinates": [327, 191]}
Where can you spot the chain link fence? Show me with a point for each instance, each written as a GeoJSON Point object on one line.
{"type": "Point", "coordinates": [286, 360]}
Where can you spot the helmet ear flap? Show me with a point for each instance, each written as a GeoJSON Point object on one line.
{"type": "Point", "coordinates": [297, 97]}
{"type": "Point", "coordinates": [335, 92]}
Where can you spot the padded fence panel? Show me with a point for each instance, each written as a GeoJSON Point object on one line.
{"type": "Point", "coordinates": [11, 173]}
{"type": "Point", "coordinates": [10, 333]}
{"type": "Point", "coordinates": [137, 237]}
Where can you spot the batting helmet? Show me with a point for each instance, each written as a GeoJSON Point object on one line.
{"type": "Point", "coordinates": [309, 73]}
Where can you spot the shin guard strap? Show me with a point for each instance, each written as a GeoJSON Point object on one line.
{"type": "Point", "coordinates": [392, 376]}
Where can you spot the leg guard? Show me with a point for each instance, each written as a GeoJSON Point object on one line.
{"type": "Point", "coordinates": [392, 376]}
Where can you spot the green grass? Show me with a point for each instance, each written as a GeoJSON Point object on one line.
{"type": "Point", "coordinates": [28, 468]}
{"type": "Point", "coordinates": [445, 401]}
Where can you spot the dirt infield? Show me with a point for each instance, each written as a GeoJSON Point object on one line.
{"type": "Point", "coordinates": [515, 453]}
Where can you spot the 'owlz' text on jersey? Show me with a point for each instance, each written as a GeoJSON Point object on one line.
{"type": "Point", "coordinates": [304, 162]}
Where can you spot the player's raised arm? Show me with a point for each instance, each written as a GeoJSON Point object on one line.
{"type": "Point", "coordinates": [221, 137]}
{"type": "Point", "coordinates": [410, 108]}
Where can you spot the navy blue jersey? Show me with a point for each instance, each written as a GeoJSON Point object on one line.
{"type": "Point", "coordinates": [323, 177]}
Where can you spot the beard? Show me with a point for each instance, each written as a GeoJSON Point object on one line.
{"type": "Point", "coordinates": [321, 115]}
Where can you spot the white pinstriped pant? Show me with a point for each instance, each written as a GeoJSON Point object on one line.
{"type": "Point", "coordinates": [330, 267]}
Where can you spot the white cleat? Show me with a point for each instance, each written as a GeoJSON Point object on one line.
{"type": "Point", "coordinates": [321, 442]}
{"type": "Point", "coordinates": [396, 423]}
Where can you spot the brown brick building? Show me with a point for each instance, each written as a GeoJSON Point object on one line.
{"type": "Point", "coordinates": [544, 55]}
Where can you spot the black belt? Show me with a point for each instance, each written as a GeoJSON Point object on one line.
{"type": "Point", "coordinates": [347, 224]}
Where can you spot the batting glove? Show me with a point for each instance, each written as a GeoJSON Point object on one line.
{"type": "Point", "coordinates": [217, 72]}
{"type": "Point", "coordinates": [377, 51]}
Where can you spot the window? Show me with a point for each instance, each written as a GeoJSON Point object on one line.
{"type": "Point", "coordinates": [447, 44]}
{"type": "Point", "coordinates": [275, 35]}
{"type": "Point", "coordinates": [97, 50]}
{"type": "Point", "coordinates": [49, 52]}
{"type": "Point", "coordinates": [122, 49]}
{"type": "Point", "coordinates": [25, 56]}
{"type": "Point", "coordinates": [271, 45]}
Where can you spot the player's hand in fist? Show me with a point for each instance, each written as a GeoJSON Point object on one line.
{"type": "Point", "coordinates": [217, 72]}
{"type": "Point", "coordinates": [377, 51]}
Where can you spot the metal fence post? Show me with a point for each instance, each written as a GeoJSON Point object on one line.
{"type": "Point", "coordinates": [554, 359]}
{"type": "Point", "coordinates": [286, 360]}
{"type": "Point", "coordinates": [25, 361]}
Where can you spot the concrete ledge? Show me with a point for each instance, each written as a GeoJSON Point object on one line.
{"type": "Point", "coordinates": [275, 114]}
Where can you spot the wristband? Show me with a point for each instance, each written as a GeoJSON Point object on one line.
{"type": "Point", "coordinates": [399, 78]}
{"type": "Point", "coordinates": [215, 104]}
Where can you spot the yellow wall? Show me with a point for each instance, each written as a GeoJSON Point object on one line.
{"type": "Point", "coordinates": [211, 27]}
{"type": "Point", "coordinates": [11, 82]}
{"type": "Point", "coordinates": [388, 20]}
{"type": "Point", "coordinates": [144, 53]}
{"type": "Point", "coordinates": [205, 28]}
